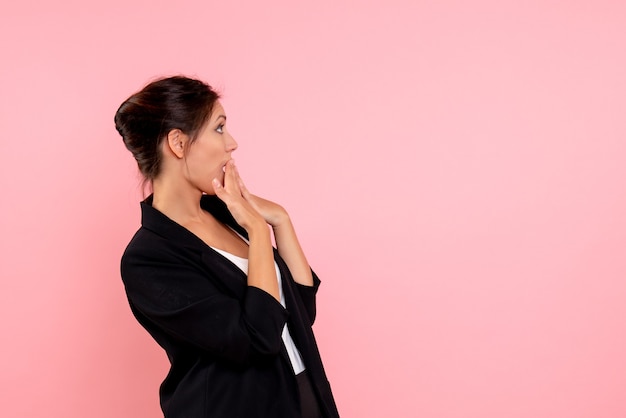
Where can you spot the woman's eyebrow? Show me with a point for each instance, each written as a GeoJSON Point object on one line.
{"type": "Point", "coordinates": [220, 116]}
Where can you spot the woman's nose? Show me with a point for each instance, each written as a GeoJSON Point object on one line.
{"type": "Point", "coordinates": [231, 144]}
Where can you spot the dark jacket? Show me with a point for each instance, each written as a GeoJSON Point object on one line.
{"type": "Point", "coordinates": [222, 337]}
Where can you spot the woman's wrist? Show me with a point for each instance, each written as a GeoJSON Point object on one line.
{"type": "Point", "coordinates": [258, 230]}
{"type": "Point", "coordinates": [280, 221]}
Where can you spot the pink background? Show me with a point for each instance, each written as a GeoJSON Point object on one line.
{"type": "Point", "coordinates": [456, 172]}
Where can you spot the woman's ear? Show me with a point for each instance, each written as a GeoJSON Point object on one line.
{"type": "Point", "coordinates": [177, 141]}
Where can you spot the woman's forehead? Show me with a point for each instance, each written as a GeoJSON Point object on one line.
{"type": "Point", "coordinates": [218, 111]}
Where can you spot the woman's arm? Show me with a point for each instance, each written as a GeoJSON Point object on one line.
{"type": "Point", "coordinates": [261, 271]}
{"type": "Point", "coordinates": [290, 250]}
{"type": "Point", "coordinates": [170, 296]}
{"type": "Point", "coordinates": [284, 233]}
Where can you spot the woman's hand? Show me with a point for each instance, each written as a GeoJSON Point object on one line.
{"type": "Point", "coordinates": [272, 213]}
{"type": "Point", "coordinates": [238, 200]}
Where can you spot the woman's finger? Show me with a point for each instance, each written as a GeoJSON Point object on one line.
{"type": "Point", "coordinates": [219, 190]}
{"type": "Point", "coordinates": [250, 198]}
{"type": "Point", "coordinates": [244, 190]}
{"type": "Point", "coordinates": [230, 178]}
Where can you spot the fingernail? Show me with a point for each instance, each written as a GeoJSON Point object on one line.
{"type": "Point", "coordinates": [216, 183]}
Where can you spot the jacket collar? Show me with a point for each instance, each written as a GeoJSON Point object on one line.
{"type": "Point", "coordinates": [159, 223]}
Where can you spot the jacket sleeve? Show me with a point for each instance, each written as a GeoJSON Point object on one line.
{"type": "Point", "coordinates": [180, 301]}
{"type": "Point", "coordinates": [308, 297]}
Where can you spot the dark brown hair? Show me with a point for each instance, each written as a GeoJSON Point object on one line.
{"type": "Point", "coordinates": [146, 117]}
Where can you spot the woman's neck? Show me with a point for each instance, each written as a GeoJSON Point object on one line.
{"type": "Point", "coordinates": [179, 202]}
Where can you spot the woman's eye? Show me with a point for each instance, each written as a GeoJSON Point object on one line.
{"type": "Point", "coordinates": [220, 129]}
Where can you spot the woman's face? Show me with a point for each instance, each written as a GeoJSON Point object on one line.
{"type": "Point", "coordinates": [206, 156]}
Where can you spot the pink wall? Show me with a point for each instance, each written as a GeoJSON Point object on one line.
{"type": "Point", "coordinates": [456, 172]}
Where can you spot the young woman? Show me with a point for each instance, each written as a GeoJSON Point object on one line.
{"type": "Point", "coordinates": [233, 313]}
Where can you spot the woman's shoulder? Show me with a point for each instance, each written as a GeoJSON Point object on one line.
{"type": "Point", "coordinates": [151, 262]}
{"type": "Point", "coordinates": [146, 246]}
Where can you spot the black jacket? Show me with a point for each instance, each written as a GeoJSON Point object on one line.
{"type": "Point", "coordinates": [222, 337]}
